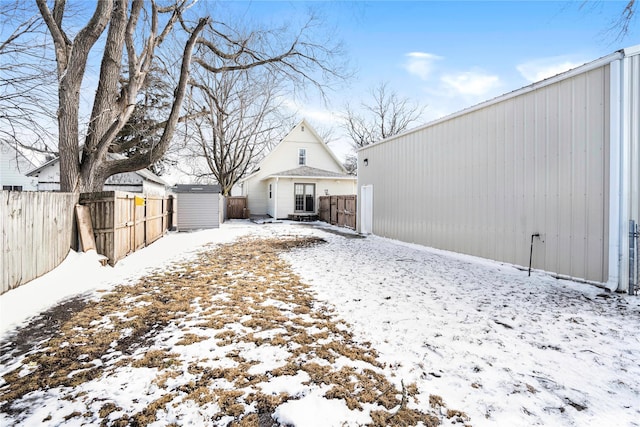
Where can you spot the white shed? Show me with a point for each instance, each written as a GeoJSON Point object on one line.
{"type": "Point", "coordinates": [558, 159]}
{"type": "Point", "coordinates": [198, 206]}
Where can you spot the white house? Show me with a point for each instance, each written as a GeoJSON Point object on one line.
{"type": "Point", "coordinates": [548, 174]}
{"type": "Point", "coordinates": [289, 180]}
{"type": "Point", "coordinates": [142, 181]}
{"type": "Point", "coordinates": [13, 169]}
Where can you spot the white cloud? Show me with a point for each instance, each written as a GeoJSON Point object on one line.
{"type": "Point", "coordinates": [540, 69]}
{"type": "Point", "coordinates": [420, 64]}
{"type": "Point", "coordinates": [315, 114]}
{"type": "Point", "coordinates": [475, 83]}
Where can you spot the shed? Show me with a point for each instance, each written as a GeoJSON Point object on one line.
{"type": "Point", "coordinates": [198, 206]}
{"type": "Point", "coordinates": [555, 163]}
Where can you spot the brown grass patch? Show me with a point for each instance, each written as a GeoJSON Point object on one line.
{"type": "Point", "coordinates": [238, 293]}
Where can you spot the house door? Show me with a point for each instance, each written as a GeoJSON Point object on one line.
{"type": "Point", "coordinates": [366, 209]}
{"type": "Point", "coordinates": [305, 196]}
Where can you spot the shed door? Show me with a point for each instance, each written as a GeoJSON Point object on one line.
{"type": "Point", "coordinates": [366, 206]}
{"type": "Point", "coordinates": [198, 211]}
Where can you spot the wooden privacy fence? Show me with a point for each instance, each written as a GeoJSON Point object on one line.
{"type": "Point", "coordinates": [37, 233]}
{"type": "Point", "coordinates": [236, 207]}
{"type": "Point", "coordinates": [338, 210]}
{"type": "Point", "coordinates": [125, 222]}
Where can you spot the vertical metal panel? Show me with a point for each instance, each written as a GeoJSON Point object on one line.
{"type": "Point", "coordinates": [482, 182]}
{"type": "Point", "coordinates": [198, 211]}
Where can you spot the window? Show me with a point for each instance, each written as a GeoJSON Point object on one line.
{"type": "Point", "coordinates": [305, 196]}
{"type": "Point", "coordinates": [270, 190]}
{"type": "Point", "coordinates": [12, 187]}
{"type": "Point", "coordinates": [302, 156]}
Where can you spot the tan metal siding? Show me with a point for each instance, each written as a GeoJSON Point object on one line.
{"type": "Point", "coordinates": [481, 183]}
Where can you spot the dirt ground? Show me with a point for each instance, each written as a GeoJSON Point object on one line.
{"type": "Point", "coordinates": [207, 331]}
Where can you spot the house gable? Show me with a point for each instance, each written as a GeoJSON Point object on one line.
{"type": "Point", "coordinates": [286, 155]}
{"type": "Point", "coordinates": [271, 188]}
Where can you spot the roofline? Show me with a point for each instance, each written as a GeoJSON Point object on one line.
{"type": "Point", "coordinates": [308, 177]}
{"type": "Point", "coordinates": [156, 179]}
{"type": "Point", "coordinates": [42, 166]}
{"type": "Point", "coordinates": [619, 54]}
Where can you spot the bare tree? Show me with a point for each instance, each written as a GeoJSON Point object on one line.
{"type": "Point", "coordinates": [385, 115]}
{"type": "Point", "coordinates": [351, 164]}
{"type": "Point", "coordinates": [135, 31]}
{"type": "Point", "coordinates": [627, 16]}
{"type": "Point", "coordinates": [619, 25]}
{"type": "Point", "coordinates": [25, 75]}
{"type": "Point", "coordinates": [118, 86]}
{"type": "Point", "coordinates": [241, 123]}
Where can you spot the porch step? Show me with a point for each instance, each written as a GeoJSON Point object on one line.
{"type": "Point", "coordinates": [302, 217]}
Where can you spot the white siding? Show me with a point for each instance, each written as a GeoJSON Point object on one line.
{"type": "Point", "coordinates": [284, 157]}
{"type": "Point", "coordinates": [48, 179]}
{"type": "Point", "coordinates": [198, 211]}
{"type": "Point", "coordinates": [483, 182]}
{"type": "Point", "coordinates": [286, 199]}
{"type": "Point", "coordinates": [13, 169]}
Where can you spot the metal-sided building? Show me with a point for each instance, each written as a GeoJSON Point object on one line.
{"type": "Point", "coordinates": [198, 206]}
{"type": "Point", "coordinates": [558, 159]}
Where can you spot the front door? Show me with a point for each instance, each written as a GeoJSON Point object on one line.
{"type": "Point", "coordinates": [305, 196]}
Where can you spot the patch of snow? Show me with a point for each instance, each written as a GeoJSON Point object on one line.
{"type": "Point", "coordinates": [505, 348]}
{"type": "Point", "coordinates": [290, 384]}
{"type": "Point", "coordinates": [314, 410]}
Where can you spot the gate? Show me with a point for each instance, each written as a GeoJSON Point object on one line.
{"type": "Point", "coordinates": [237, 207]}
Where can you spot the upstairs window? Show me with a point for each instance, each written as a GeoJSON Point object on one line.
{"type": "Point", "coordinates": [302, 156]}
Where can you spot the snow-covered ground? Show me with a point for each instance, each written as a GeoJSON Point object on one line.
{"type": "Point", "coordinates": [505, 348]}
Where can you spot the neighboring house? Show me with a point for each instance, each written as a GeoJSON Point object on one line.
{"type": "Point", "coordinates": [142, 181]}
{"type": "Point", "coordinates": [13, 169]}
{"type": "Point", "coordinates": [289, 180]}
{"type": "Point", "coordinates": [547, 174]}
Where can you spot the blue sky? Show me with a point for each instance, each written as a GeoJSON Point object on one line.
{"type": "Point", "coordinates": [446, 55]}
{"type": "Point", "coordinates": [451, 55]}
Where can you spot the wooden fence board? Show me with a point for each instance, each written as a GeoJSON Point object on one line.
{"type": "Point", "coordinates": [237, 207]}
{"type": "Point", "coordinates": [85, 230]}
{"type": "Point", "coordinates": [121, 226]}
{"type": "Point", "coordinates": [324, 209]}
{"type": "Point", "coordinates": [38, 229]}
{"type": "Point", "coordinates": [339, 210]}
{"type": "Point", "coordinates": [37, 233]}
